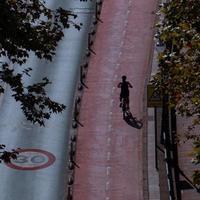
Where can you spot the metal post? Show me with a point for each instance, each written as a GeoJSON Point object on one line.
{"type": "Point", "coordinates": [167, 142]}
{"type": "Point", "coordinates": [156, 135]}
{"type": "Point", "coordinates": [97, 12]}
{"type": "Point", "coordinates": [90, 42]}
{"type": "Point", "coordinates": [175, 153]}
{"type": "Point", "coordinates": [168, 169]}
{"type": "Point", "coordinates": [69, 195]}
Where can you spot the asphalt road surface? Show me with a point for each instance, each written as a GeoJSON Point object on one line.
{"type": "Point", "coordinates": [40, 173]}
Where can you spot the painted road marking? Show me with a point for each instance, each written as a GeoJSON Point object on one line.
{"type": "Point", "coordinates": [108, 155]}
{"type": "Point", "coordinates": [26, 124]}
{"type": "Point", "coordinates": [111, 102]}
{"type": "Point", "coordinates": [108, 141]}
{"type": "Point", "coordinates": [108, 171]}
{"type": "Point", "coordinates": [107, 185]}
{"type": "Point", "coordinates": [32, 159]}
{"type": "Point", "coordinates": [113, 88]}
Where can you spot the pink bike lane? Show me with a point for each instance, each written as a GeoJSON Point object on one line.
{"type": "Point", "coordinates": [109, 151]}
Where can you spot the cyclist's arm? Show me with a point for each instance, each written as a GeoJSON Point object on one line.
{"type": "Point", "coordinates": [119, 85]}
{"type": "Point", "coordinates": [130, 85]}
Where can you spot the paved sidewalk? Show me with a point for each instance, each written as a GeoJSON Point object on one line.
{"type": "Point", "coordinates": [109, 151]}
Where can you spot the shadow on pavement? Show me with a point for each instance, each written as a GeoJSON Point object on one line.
{"type": "Point", "coordinates": [132, 121]}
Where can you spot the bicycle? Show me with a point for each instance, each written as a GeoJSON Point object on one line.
{"type": "Point", "coordinates": [124, 105]}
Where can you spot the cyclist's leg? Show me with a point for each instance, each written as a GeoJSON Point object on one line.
{"type": "Point", "coordinates": [121, 99]}
{"type": "Point", "coordinates": [127, 102]}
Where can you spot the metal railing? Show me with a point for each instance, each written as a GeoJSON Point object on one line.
{"type": "Point", "coordinates": [77, 104]}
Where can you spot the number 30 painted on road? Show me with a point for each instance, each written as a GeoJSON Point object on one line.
{"type": "Point", "coordinates": [32, 159]}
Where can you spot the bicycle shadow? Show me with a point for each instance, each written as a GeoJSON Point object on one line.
{"type": "Point", "coordinates": [132, 121]}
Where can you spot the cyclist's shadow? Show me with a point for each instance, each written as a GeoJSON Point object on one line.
{"type": "Point", "coordinates": [132, 121]}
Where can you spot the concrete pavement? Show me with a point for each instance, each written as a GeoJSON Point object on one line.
{"type": "Point", "coordinates": [40, 172]}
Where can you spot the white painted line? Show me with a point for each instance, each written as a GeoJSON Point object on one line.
{"type": "Point", "coordinates": [26, 125]}
{"type": "Point", "coordinates": [107, 185]}
{"type": "Point", "coordinates": [113, 89]}
{"type": "Point", "coordinates": [107, 198]}
{"type": "Point", "coordinates": [28, 128]}
{"type": "Point", "coordinates": [108, 141]}
{"type": "Point", "coordinates": [111, 102]}
{"type": "Point", "coordinates": [108, 155]}
{"type": "Point", "coordinates": [124, 32]}
{"type": "Point", "coordinates": [1, 98]}
{"type": "Point", "coordinates": [117, 66]}
{"type": "Point", "coordinates": [110, 127]}
{"type": "Point", "coordinates": [108, 171]}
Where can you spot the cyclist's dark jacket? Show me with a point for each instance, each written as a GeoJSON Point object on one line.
{"type": "Point", "coordinates": [124, 89]}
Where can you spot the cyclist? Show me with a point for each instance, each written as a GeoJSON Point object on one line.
{"type": "Point", "coordinates": [124, 95]}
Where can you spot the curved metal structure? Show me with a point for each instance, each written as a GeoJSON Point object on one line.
{"type": "Point", "coordinates": [40, 173]}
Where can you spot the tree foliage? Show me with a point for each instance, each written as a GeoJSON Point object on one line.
{"type": "Point", "coordinates": [6, 156]}
{"type": "Point", "coordinates": [196, 160]}
{"type": "Point", "coordinates": [179, 62]}
{"type": "Point", "coordinates": [28, 26]}
{"type": "Point", "coordinates": [180, 28]}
